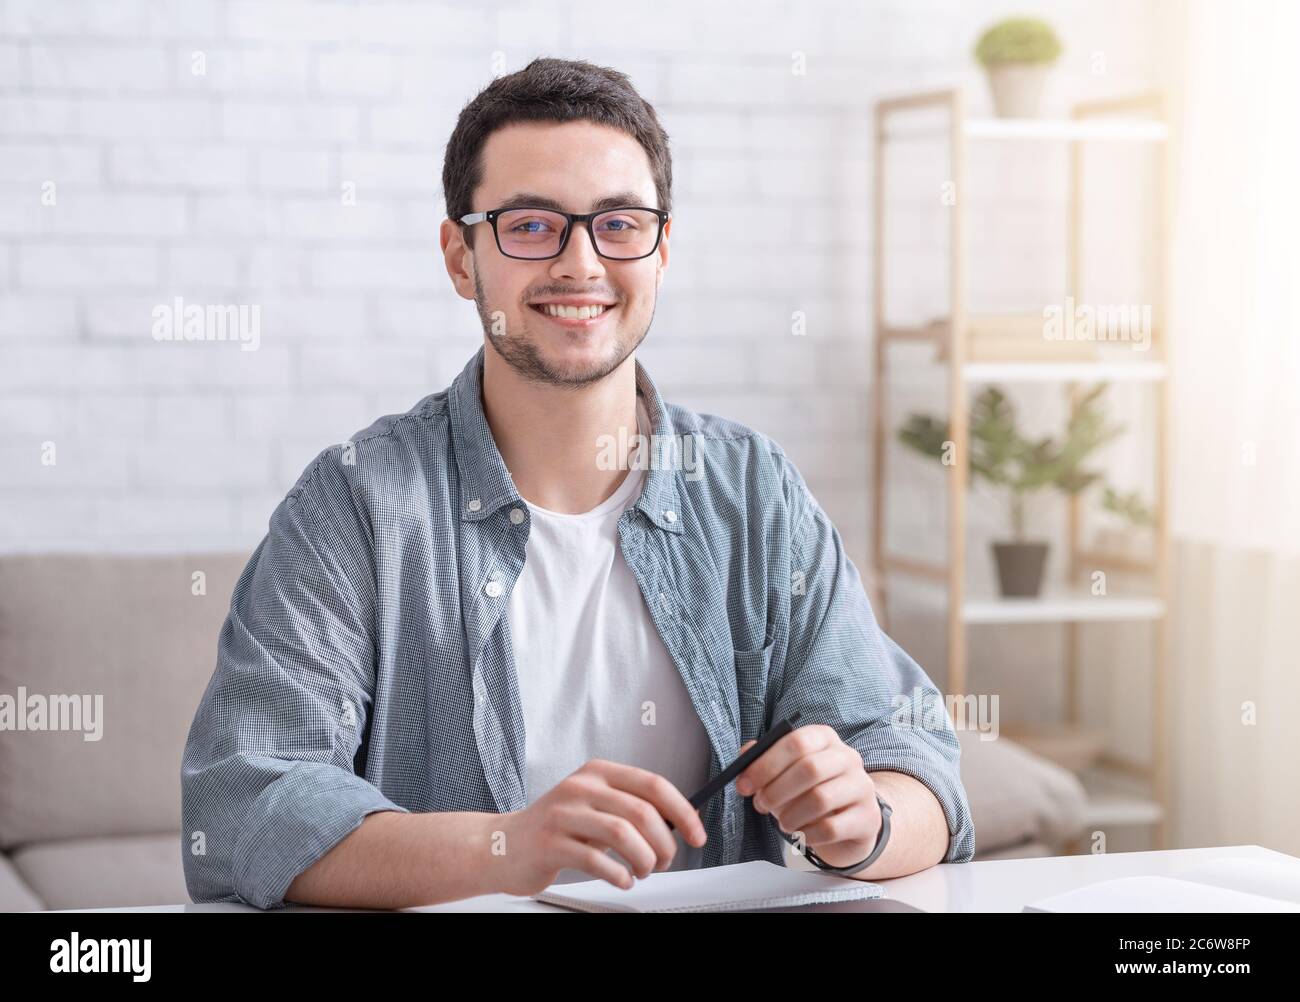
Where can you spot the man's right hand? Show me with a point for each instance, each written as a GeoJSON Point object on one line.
{"type": "Point", "coordinates": [601, 806]}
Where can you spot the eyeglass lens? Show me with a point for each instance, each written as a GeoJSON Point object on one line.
{"type": "Point", "coordinates": [537, 233]}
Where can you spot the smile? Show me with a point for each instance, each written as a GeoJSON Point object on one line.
{"type": "Point", "coordinates": [573, 316]}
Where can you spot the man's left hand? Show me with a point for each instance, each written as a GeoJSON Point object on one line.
{"type": "Point", "coordinates": [812, 782]}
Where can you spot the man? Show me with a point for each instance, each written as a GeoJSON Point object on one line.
{"type": "Point", "coordinates": [496, 641]}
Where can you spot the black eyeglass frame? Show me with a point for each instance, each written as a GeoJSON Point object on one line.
{"type": "Point", "coordinates": [570, 219]}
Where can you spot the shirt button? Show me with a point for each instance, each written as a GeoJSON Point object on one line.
{"type": "Point", "coordinates": [493, 588]}
{"type": "Point", "coordinates": [475, 504]}
{"type": "Point", "coordinates": [516, 515]}
{"type": "Point", "coordinates": [670, 516]}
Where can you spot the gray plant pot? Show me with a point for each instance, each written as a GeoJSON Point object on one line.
{"type": "Point", "coordinates": [1020, 568]}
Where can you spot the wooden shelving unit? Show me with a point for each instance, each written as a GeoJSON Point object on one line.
{"type": "Point", "coordinates": [1121, 792]}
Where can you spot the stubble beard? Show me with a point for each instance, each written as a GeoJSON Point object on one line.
{"type": "Point", "coordinates": [520, 352]}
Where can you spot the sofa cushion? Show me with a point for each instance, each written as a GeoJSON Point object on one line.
{"type": "Point", "coordinates": [15, 895]}
{"type": "Point", "coordinates": [131, 630]}
{"type": "Point", "coordinates": [123, 872]}
{"type": "Point", "coordinates": [1025, 850]}
{"type": "Point", "coordinates": [1017, 797]}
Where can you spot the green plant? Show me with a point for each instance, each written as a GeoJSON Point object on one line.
{"type": "Point", "coordinates": [1007, 459]}
{"type": "Point", "coordinates": [1018, 40]}
{"type": "Point", "coordinates": [1129, 506]}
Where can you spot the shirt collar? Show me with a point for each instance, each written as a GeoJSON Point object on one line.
{"type": "Point", "coordinates": [486, 485]}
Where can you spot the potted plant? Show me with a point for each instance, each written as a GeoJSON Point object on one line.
{"type": "Point", "coordinates": [1009, 461]}
{"type": "Point", "coordinates": [1133, 518]}
{"type": "Point", "coordinates": [1017, 53]}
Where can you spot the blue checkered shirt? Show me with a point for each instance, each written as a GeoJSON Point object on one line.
{"type": "Point", "coordinates": [365, 664]}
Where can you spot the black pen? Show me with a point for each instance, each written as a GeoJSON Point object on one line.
{"type": "Point", "coordinates": [720, 781]}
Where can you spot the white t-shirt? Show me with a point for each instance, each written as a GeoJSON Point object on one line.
{"type": "Point", "coordinates": [595, 678]}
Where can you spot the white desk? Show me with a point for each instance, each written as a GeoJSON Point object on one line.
{"type": "Point", "coordinates": [1000, 885]}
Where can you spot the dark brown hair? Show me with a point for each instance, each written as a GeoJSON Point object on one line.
{"type": "Point", "coordinates": [551, 90]}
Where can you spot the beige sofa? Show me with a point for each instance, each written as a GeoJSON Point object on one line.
{"type": "Point", "coordinates": [88, 824]}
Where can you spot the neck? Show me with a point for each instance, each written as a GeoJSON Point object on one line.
{"type": "Point", "coordinates": [550, 436]}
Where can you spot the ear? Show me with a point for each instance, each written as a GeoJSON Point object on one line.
{"type": "Point", "coordinates": [458, 258]}
{"type": "Point", "coordinates": [662, 264]}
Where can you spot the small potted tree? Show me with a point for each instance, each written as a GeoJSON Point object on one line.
{"type": "Point", "coordinates": [1131, 520]}
{"type": "Point", "coordinates": [1016, 54]}
{"type": "Point", "coordinates": [1021, 466]}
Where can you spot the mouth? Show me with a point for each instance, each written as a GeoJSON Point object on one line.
{"type": "Point", "coordinates": [579, 318]}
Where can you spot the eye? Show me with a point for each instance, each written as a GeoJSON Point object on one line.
{"type": "Point", "coordinates": [529, 226]}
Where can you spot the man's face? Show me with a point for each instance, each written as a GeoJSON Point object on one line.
{"type": "Point", "coordinates": [576, 164]}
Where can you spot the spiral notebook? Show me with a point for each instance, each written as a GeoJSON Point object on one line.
{"type": "Point", "coordinates": [738, 887]}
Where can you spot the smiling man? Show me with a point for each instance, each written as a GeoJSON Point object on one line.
{"type": "Point", "coordinates": [474, 655]}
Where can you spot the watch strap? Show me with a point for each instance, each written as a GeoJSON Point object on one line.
{"type": "Point", "coordinates": [882, 838]}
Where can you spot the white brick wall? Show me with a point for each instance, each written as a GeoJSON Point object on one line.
{"type": "Point", "coordinates": [225, 187]}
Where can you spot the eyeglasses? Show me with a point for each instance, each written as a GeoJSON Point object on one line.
{"type": "Point", "coordinates": [627, 233]}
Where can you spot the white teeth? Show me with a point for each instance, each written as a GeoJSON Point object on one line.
{"type": "Point", "coordinates": [572, 312]}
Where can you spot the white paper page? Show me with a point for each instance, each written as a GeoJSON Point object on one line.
{"type": "Point", "coordinates": [1158, 894]}
{"type": "Point", "coordinates": [718, 888]}
{"type": "Point", "coordinates": [1271, 878]}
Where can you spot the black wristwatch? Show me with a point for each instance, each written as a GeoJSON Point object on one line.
{"type": "Point", "coordinates": [881, 839]}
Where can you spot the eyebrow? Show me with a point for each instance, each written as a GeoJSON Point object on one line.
{"type": "Point", "coordinates": [522, 199]}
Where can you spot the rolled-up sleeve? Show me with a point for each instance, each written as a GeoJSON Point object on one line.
{"type": "Point", "coordinates": [841, 668]}
{"type": "Point", "coordinates": [268, 784]}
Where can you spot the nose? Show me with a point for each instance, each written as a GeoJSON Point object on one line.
{"type": "Point", "coordinates": [579, 260]}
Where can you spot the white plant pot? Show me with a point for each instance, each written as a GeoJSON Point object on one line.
{"type": "Point", "coordinates": [1017, 88]}
{"type": "Point", "coordinates": [1127, 540]}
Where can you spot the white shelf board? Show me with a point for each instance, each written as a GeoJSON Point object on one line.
{"type": "Point", "coordinates": [1062, 607]}
{"type": "Point", "coordinates": [1063, 372]}
{"type": "Point", "coordinates": [1115, 129]}
{"type": "Point", "coordinates": [1056, 604]}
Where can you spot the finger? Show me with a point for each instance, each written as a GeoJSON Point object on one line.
{"type": "Point", "coordinates": [741, 751]}
{"type": "Point", "coordinates": [610, 831]}
{"type": "Point", "coordinates": [593, 860]}
{"type": "Point", "coordinates": [801, 777]}
{"type": "Point", "coordinates": [642, 813]}
{"type": "Point", "coordinates": [838, 828]}
{"type": "Point", "coordinates": [799, 742]}
{"type": "Point", "coordinates": [822, 801]}
{"type": "Point", "coordinates": [665, 797]}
